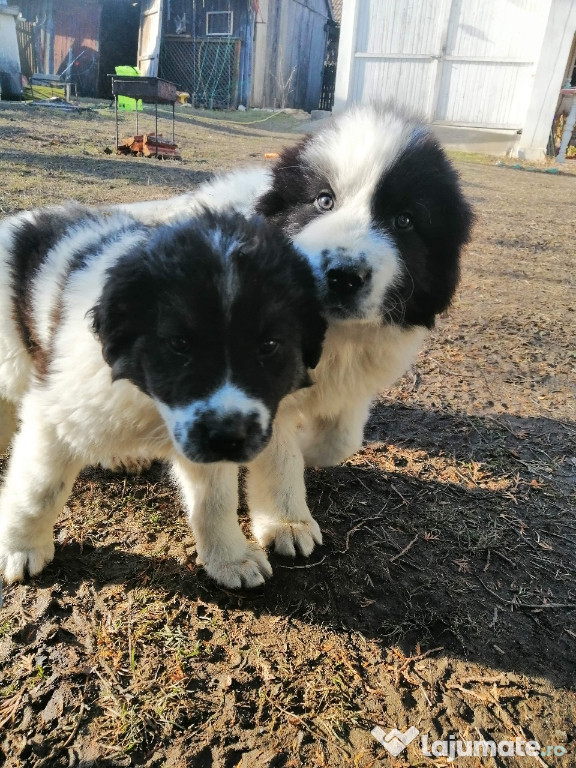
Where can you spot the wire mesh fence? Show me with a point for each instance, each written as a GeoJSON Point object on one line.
{"type": "Point", "coordinates": [206, 68]}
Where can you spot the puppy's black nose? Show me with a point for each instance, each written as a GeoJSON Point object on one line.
{"type": "Point", "coordinates": [345, 282]}
{"type": "Point", "coordinates": [225, 437]}
{"type": "Point", "coordinates": [226, 441]}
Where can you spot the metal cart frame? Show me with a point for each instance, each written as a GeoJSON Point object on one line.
{"type": "Point", "coordinates": [151, 90]}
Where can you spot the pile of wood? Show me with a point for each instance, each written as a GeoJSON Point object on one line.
{"type": "Point", "coordinates": [145, 145]}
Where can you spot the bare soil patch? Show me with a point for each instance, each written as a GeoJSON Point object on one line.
{"type": "Point", "coordinates": [444, 595]}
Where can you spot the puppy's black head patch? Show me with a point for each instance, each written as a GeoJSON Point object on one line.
{"type": "Point", "coordinates": [419, 203]}
{"type": "Point", "coordinates": [298, 193]}
{"type": "Point", "coordinates": [210, 301]}
{"type": "Point", "coordinates": [376, 205]}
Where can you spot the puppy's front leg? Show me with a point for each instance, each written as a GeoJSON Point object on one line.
{"type": "Point", "coordinates": [38, 481]}
{"type": "Point", "coordinates": [211, 495]}
{"type": "Point", "coordinates": [277, 495]}
{"type": "Point", "coordinates": [328, 441]}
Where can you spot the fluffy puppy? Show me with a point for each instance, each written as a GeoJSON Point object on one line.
{"type": "Point", "coordinates": [375, 205]}
{"type": "Point", "coordinates": [176, 342]}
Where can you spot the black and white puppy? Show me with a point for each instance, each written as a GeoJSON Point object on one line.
{"type": "Point", "coordinates": [118, 339]}
{"type": "Point", "coordinates": [375, 205]}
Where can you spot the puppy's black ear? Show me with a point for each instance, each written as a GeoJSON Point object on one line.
{"type": "Point", "coordinates": [313, 339]}
{"type": "Point", "coordinates": [123, 315]}
{"type": "Point", "coordinates": [313, 322]}
{"type": "Point", "coordinates": [293, 272]}
{"type": "Point", "coordinates": [308, 305]}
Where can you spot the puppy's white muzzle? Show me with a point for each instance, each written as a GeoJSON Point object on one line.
{"type": "Point", "coordinates": [229, 425]}
{"type": "Point", "coordinates": [355, 265]}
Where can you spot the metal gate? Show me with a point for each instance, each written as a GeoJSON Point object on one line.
{"type": "Point", "coordinates": [458, 62]}
{"type": "Point", "coordinates": [205, 67]}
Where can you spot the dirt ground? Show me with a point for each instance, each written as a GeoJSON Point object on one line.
{"type": "Point", "coordinates": [444, 595]}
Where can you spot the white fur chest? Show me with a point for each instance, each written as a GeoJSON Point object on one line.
{"type": "Point", "coordinates": [359, 361]}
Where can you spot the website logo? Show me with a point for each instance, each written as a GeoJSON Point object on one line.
{"type": "Point", "coordinates": [394, 741]}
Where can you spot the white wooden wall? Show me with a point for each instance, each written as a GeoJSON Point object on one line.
{"type": "Point", "coordinates": [459, 62]}
{"type": "Point", "coordinates": [9, 54]}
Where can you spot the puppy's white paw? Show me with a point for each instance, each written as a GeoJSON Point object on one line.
{"type": "Point", "coordinates": [248, 569]}
{"type": "Point", "coordinates": [16, 563]}
{"type": "Point", "coordinates": [288, 537]}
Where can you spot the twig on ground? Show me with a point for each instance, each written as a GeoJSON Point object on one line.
{"type": "Point", "coordinates": [8, 709]}
{"type": "Point", "coordinates": [420, 656]}
{"type": "Point", "coordinates": [359, 527]}
{"type": "Point", "coordinates": [406, 548]}
{"type": "Point", "coordinates": [528, 606]}
{"type": "Point", "coordinates": [298, 567]}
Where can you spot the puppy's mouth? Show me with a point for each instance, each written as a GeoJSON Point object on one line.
{"type": "Point", "coordinates": [236, 453]}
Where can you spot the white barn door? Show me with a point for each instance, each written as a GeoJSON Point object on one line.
{"type": "Point", "coordinates": [149, 37]}
{"type": "Point", "coordinates": [397, 52]}
{"type": "Point", "coordinates": [491, 53]}
{"type": "Point", "coordinates": [460, 62]}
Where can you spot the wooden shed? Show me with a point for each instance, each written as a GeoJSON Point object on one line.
{"type": "Point", "coordinates": [204, 46]}
{"type": "Point", "coordinates": [63, 40]}
{"type": "Point", "coordinates": [289, 52]}
{"type": "Point", "coordinates": [264, 53]}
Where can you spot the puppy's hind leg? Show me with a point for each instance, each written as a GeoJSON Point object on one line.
{"type": "Point", "coordinates": [8, 423]}
{"type": "Point", "coordinates": [277, 496]}
{"type": "Point", "coordinates": [38, 480]}
{"type": "Point", "coordinates": [211, 495]}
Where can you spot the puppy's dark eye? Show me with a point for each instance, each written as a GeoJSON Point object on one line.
{"type": "Point", "coordinates": [268, 348]}
{"type": "Point", "coordinates": [324, 202]}
{"type": "Point", "coordinates": [179, 344]}
{"type": "Point", "coordinates": [403, 221]}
